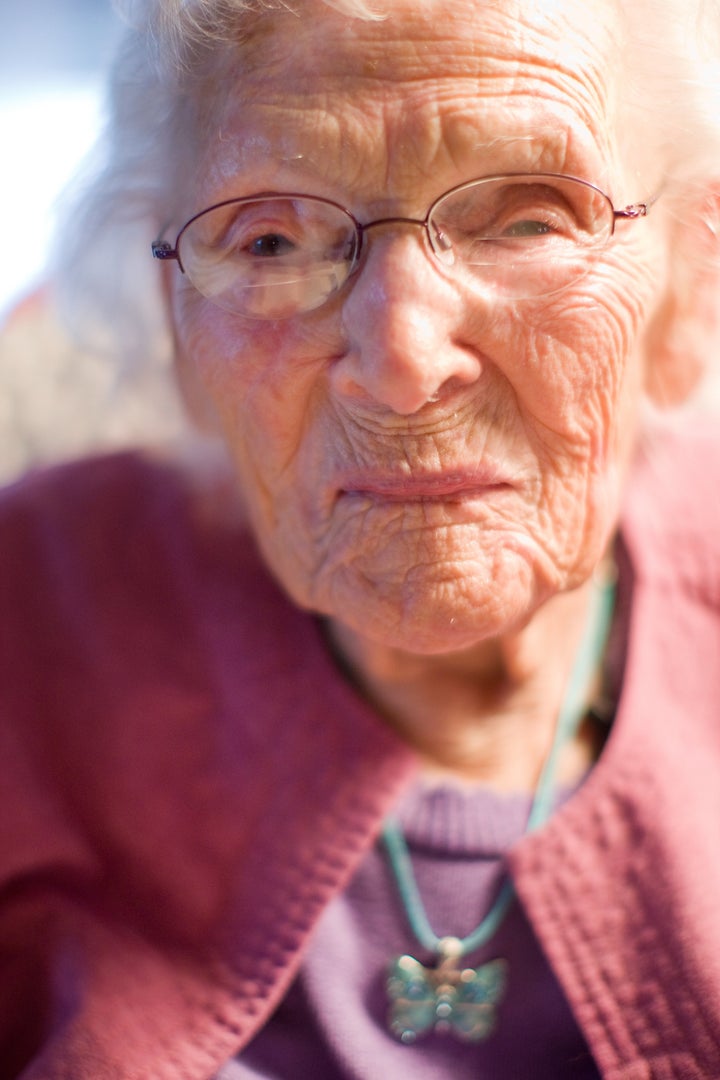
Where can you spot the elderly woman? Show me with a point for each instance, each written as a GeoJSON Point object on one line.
{"type": "Point", "coordinates": [395, 754]}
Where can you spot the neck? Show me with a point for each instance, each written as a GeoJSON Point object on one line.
{"type": "Point", "coordinates": [486, 715]}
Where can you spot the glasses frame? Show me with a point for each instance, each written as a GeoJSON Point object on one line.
{"type": "Point", "coordinates": [165, 251]}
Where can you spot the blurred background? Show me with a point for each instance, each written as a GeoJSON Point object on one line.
{"type": "Point", "coordinates": [57, 399]}
{"type": "Point", "coordinates": [53, 58]}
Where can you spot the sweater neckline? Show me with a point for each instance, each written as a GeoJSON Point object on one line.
{"type": "Point", "coordinates": [449, 819]}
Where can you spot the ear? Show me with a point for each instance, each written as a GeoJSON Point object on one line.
{"type": "Point", "coordinates": [194, 398]}
{"type": "Point", "coordinates": [685, 332]}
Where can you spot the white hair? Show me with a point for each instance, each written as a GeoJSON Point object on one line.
{"type": "Point", "coordinates": [108, 284]}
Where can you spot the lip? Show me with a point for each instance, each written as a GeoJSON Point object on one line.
{"type": "Point", "coordinates": [449, 486]}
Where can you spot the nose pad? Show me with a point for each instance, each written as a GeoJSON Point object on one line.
{"type": "Point", "coordinates": [442, 245]}
{"type": "Point", "coordinates": [402, 323]}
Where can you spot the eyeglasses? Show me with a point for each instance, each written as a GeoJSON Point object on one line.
{"type": "Point", "coordinates": [518, 236]}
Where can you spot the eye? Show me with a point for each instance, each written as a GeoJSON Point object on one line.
{"type": "Point", "coordinates": [528, 228]}
{"type": "Point", "coordinates": [531, 212]}
{"type": "Point", "coordinates": [270, 245]}
{"type": "Point", "coordinates": [267, 230]}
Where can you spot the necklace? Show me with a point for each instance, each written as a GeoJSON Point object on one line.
{"type": "Point", "coordinates": [449, 997]}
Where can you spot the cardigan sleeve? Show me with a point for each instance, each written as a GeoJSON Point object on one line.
{"type": "Point", "coordinates": [44, 858]}
{"type": "Point", "coordinates": [170, 831]}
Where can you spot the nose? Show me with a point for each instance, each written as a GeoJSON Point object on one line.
{"type": "Point", "coordinates": [403, 324]}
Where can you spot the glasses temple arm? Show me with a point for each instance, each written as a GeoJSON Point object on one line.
{"type": "Point", "coordinates": [635, 210]}
{"type": "Point", "coordinates": [162, 250]}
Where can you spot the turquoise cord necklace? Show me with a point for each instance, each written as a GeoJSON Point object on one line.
{"type": "Point", "coordinates": [463, 1000]}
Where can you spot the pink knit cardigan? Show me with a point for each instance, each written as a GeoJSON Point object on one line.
{"type": "Point", "coordinates": [186, 783]}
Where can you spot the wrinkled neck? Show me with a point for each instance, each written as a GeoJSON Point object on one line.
{"type": "Point", "coordinates": [486, 715]}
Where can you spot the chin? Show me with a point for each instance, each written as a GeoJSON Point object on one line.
{"type": "Point", "coordinates": [430, 616]}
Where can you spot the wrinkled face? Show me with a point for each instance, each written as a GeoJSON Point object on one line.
{"type": "Point", "coordinates": [421, 461]}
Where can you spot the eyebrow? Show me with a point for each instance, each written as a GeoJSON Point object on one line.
{"type": "Point", "coordinates": [555, 147]}
{"type": "Point", "coordinates": [543, 140]}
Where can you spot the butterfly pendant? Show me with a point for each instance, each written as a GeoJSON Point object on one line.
{"type": "Point", "coordinates": [447, 998]}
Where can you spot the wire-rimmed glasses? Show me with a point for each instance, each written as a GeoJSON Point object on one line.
{"type": "Point", "coordinates": [272, 256]}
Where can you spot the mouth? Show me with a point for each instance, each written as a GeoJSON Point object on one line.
{"type": "Point", "coordinates": [446, 487]}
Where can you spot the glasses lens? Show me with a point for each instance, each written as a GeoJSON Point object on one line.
{"type": "Point", "coordinates": [269, 257]}
{"type": "Point", "coordinates": [523, 236]}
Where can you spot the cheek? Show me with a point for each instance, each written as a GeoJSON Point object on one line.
{"type": "Point", "coordinates": [209, 346]}
{"type": "Point", "coordinates": [240, 366]}
{"type": "Point", "coordinates": [266, 386]}
{"type": "Point", "coordinates": [579, 389]}
{"type": "Point", "coordinates": [583, 367]}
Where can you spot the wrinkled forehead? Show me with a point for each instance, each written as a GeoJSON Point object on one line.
{"type": "Point", "coordinates": [575, 38]}
{"type": "Point", "coordinates": [541, 27]}
{"type": "Point", "coordinates": [527, 63]}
